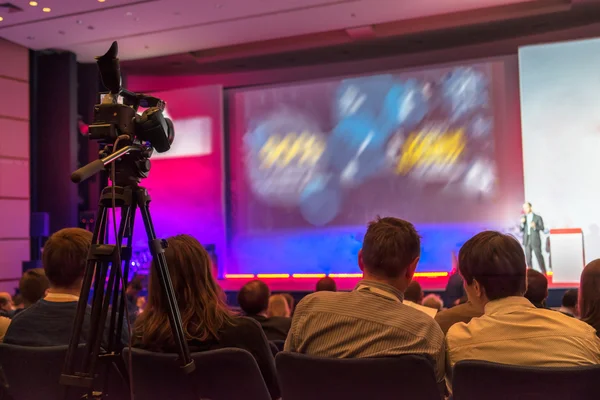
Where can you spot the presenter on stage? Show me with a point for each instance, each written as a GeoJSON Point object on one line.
{"type": "Point", "coordinates": [531, 225]}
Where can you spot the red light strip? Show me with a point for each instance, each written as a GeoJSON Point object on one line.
{"type": "Point", "coordinates": [316, 276]}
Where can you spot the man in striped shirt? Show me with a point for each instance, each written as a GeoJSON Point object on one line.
{"type": "Point", "coordinates": [371, 321]}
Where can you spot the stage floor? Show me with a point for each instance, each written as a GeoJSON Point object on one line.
{"type": "Point", "coordinates": [432, 281]}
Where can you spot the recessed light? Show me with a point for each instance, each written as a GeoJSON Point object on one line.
{"type": "Point", "coordinates": [101, 1]}
{"type": "Point", "coordinates": [1, 19]}
{"type": "Point", "coordinates": [46, 9]}
{"type": "Point", "coordinates": [128, 14]}
{"type": "Point", "coordinates": [79, 22]}
{"type": "Point", "coordinates": [33, 3]}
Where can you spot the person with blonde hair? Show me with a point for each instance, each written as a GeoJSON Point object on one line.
{"type": "Point", "coordinates": [278, 307]}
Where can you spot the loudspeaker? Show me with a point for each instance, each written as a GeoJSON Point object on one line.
{"type": "Point", "coordinates": [39, 225]}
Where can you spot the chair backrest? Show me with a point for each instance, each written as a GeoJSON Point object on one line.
{"type": "Point", "coordinates": [475, 380]}
{"type": "Point", "coordinates": [404, 377]}
{"type": "Point", "coordinates": [222, 374]}
{"type": "Point", "coordinates": [279, 344]}
{"type": "Point", "coordinates": [33, 373]}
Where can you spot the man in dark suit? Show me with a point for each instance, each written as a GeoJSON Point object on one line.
{"type": "Point", "coordinates": [531, 225]}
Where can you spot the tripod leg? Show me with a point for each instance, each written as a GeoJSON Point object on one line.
{"type": "Point", "coordinates": [160, 263]}
{"type": "Point", "coordinates": [91, 266]}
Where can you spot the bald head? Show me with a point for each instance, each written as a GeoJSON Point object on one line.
{"type": "Point", "coordinates": [253, 297]}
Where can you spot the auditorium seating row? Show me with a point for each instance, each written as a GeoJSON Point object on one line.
{"type": "Point", "coordinates": [33, 373]}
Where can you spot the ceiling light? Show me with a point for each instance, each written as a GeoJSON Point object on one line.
{"type": "Point", "coordinates": [128, 14]}
{"type": "Point", "coordinates": [1, 19]}
{"type": "Point", "coordinates": [79, 22]}
{"type": "Point", "coordinates": [101, 1]}
{"type": "Point", "coordinates": [46, 9]}
{"type": "Point", "coordinates": [33, 3]}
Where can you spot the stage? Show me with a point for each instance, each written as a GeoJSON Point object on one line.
{"type": "Point", "coordinates": [430, 281]}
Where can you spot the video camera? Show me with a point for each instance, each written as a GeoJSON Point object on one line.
{"type": "Point", "coordinates": [116, 122]}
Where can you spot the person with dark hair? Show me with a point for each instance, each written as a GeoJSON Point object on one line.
{"type": "Point", "coordinates": [134, 287]}
{"type": "Point", "coordinates": [511, 329]}
{"type": "Point", "coordinates": [569, 303]}
{"type": "Point", "coordinates": [371, 320]}
{"type": "Point", "coordinates": [537, 288]}
{"type": "Point", "coordinates": [7, 307]}
{"type": "Point", "coordinates": [207, 322]}
{"type": "Point", "coordinates": [413, 297]}
{"type": "Point", "coordinates": [49, 321]}
{"type": "Point", "coordinates": [253, 299]}
{"type": "Point", "coordinates": [589, 295]}
{"type": "Point", "coordinates": [326, 284]}
{"type": "Point", "coordinates": [531, 226]}
{"type": "Point", "coordinates": [33, 286]}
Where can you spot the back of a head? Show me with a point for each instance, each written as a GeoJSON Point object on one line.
{"type": "Point", "coordinates": [433, 301]}
{"type": "Point", "coordinates": [278, 306]}
{"type": "Point", "coordinates": [253, 297]}
{"type": "Point", "coordinates": [414, 292]}
{"type": "Point", "coordinates": [64, 257]}
{"type": "Point", "coordinates": [390, 245]}
{"type": "Point", "coordinates": [33, 286]}
{"type": "Point", "coordinates": [589, 294]}
{"type": "Point", "coordinates": [570, 298]}
{"type": "Point", "coordinates": [497, 262]}
{"type": "Point", "coordinates": [537, 287]}
{"type": "Point", "coordinates": [200, 299]}
{"type": "Point", "coordinates": [326, 285]}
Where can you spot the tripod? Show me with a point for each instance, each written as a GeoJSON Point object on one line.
{"type": "Point", "coordinates": [105, 271]}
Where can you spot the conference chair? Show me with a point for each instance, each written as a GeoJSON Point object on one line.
{"type": "Point", "coordinates": [304, 377]}
{"type": "Point", "coordinates": [279, 344]}
{"type": "Point", "coordinates": [33, 373]}
{"type": "Point", "coordinates": [223, 374]}
{"type": "Point", "coordinates": [476, 380]}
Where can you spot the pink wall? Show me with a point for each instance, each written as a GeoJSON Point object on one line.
{"type": "Point", "coordinates": [14, 163]}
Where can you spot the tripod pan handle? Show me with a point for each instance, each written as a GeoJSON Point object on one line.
{"type": "Point", "coordinates": [87, 171]}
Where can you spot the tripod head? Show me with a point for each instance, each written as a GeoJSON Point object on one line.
{"type": "Point", "coordinates": [138, 134]}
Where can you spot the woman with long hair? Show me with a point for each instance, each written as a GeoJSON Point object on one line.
{"type": "Point", "coordinates": [207, 321]}
{"type": "Point", "coordinates": [589, 295]}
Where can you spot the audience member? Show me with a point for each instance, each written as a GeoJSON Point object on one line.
{"type": "Point", "coordinates": [49, 321]}
{"type": "Point", "coordinates": [537, 288]}
{"type": "Point", "coordinates": [207, 321]}
{"type": "Point", "coordinates": [461, 313]}
{"type": "Point", "coordinates": [454, 288]}
{"type": "Point", "coordinates": [33, 286]}
{"type": "Point", "coordinates": [413, 297]}
{"type": "Point", "coordinates": [253, 299]}
{"type": "Point", "coordinates": [18, 302]}
{"type": "Point", "coordinates": [290, 300]}
{"type": "Point", "coordinates": [371, 320]}
{"type": "Point", "coordinates": [512, 330]}
{"type": "Point", "coordinates": [134, 287]}
{"type": "Point", "coordinates": [278, 307]}
{"type": "Point", "coordinates": [589, 295]}
{"type": "Point", "coordinates": [569, 303]}
{"type": "Point", "coordinates": [7, 307]}
{"type": "Point", "coordinates": [326, 285]}
{"type": "Point", "coordinates": [4, 323]}
{"type": "Point", "coordinates": [434, 302]}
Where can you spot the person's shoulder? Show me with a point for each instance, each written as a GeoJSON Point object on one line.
{"type": "Point", "coordinates": [318, 298]}
{"type": "Point", "coordinates": [246, 324]}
